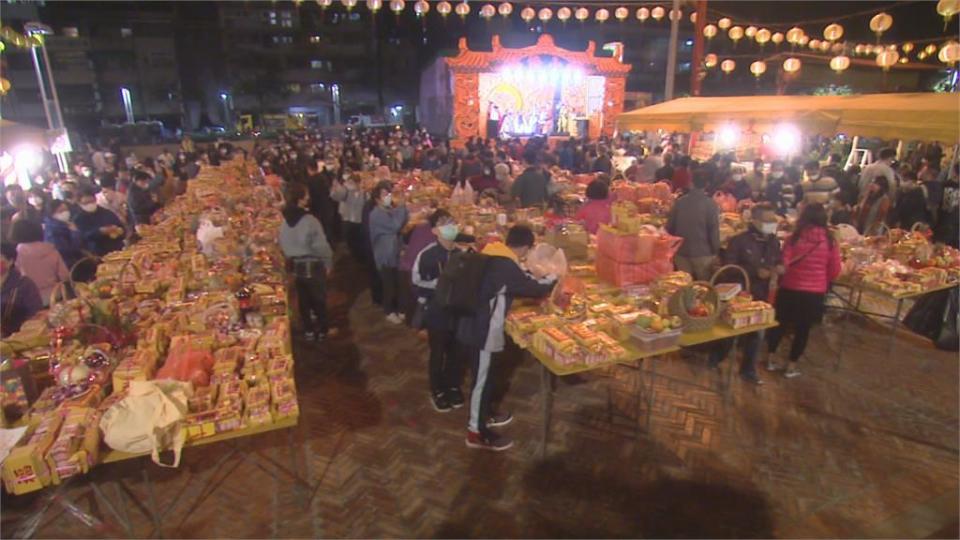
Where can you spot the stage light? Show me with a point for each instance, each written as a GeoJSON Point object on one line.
{"type": "Point", "coordinates": [728, 136]}
{"type": "Point", "coordinates": [27, 157]}
{"type": "Point", "coordinates": [786, 139]}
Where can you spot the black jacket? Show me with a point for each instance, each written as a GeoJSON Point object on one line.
{"type": "Point", "coordinates": [752, 250]}
{"type": "Point", "coordinates": [426, 272]}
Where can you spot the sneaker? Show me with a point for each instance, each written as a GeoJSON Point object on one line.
{"type": "Point", "coordinates": [792, 372]}
{"type": "Point", "coordinates": [455, 398]}
{"type": "Point", "coordinates": [439, 402]}
{"type": "Point", "coordinates": [495, 442]}
{"type": "Point", "coordinates": [500, 419]}
{"type": "Point", "coordinates": [751, 378]}
{"type": "Point", "coordinates": [393, 318]}
{"type": "Point", "coordinates": [773, 366]}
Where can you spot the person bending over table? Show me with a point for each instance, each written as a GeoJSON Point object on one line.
{"type": "Point", "coordinates": [756, 250]}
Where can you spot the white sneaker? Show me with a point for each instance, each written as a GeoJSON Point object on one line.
{"type": "Point", "coordinates": [773, 366]}
{"type": "Point", "coordinates": [393, 318]}
{"type": "Point", "coordinates": [792, 372]}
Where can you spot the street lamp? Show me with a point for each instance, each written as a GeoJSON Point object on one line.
{"type": "Point", "coordinates": [225, 99]}
{"type": "Point", "coordinates": [127, 100]}
{"type": "Point", "coordinates": [54, 117]}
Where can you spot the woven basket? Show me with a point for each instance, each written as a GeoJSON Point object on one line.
{"type": "Point", "coordinates": [743, 272]}
{"type": "Point", "coordinates": [678, 307]}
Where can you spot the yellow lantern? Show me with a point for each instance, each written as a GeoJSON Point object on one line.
{"type": "Point", "coordinates": [949, 53]}
{"type": "Point", "coordinates": [792, 65]}
{"type": "Point", "coordinates": [907, 47]}
{"type": "Point", "coordinates": [724, 23]}
{"type": "Point", "coordinates": [814, 43]}
{"type": "Point", "coordinates": [758, 68]}
{"type": "Point", "coordinates": [763, 36]}
{"type": "Point", "coordinates": [462, 9]}
{"type": "Point", "coordinates": [880, 23]}
{"type": "Point", "coordinates": [839, 63]}
{"type": "Point", "coordinates": [444, 8]}
{"type": "Point", "coordinates": [505, 9]}
{"type": "Point", "coordinates": [488, 11]}
{"type": "Point", "coordinates": [643, 14]}
{"type": "Point", "coordinates": [528, 14]}
{"type": "Point", "coordinates": [657, 13]}
{"type": "Point", "coordinates": [922, 55]}
{"type": "Point", "coordinates": [324, 4]}
{"type": "Point", "coordinates": [582, 14]}
{"type": "Point", "coordinates": [904, 60]}
{"type": "Point", "coordinates": [374, 5]}
{"type": "Point", "coordinates": [676, 14]}
{"type": "Point", "coordinates": [602, 15]}
{"type": "Point", "coordinates": [710, 31]}
{"type": "Point", "coordinates": [858, 49]}
{"type": "Point", "coordinates": [777, 38]}
{"type": "Point", "coordinates": [693, 17]}
{"type": "Point", "coordinates": [397, 6]}
{"type": "Point", "coordinates": [833, 32]}
{"type": "Point", "coordinates": [621, 13]}
{"type": "Point", "coordinates": [930, 49]}
{"type": "Point", "coordinates": [710, 60]}
{"type": "Point", "coordinates": [887, 58]}
{"type": "Point", "coordinates": [947, 9]}
{"type": "Point", "coordinates": [735, 33]}
{"type": "Point", "coordinates": [803, 40]}
{"type": "Point", "coordinates": [545, 14]}
{"type": "Point", "coordinates": [564, 14]}
{"type": "Point", "coordinates": [727, 66]}
{"type": "Point", "coordinates": [825, 46]}
{"type": "Point", "coordinates": [794, 34]}
{"type": "Point", "coordinates": [349, 4]}
{"type": "Point", "coordinates": [750, 31]}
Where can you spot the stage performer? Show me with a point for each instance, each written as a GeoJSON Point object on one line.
{"type": "Point", "coordinates": [494, 119]}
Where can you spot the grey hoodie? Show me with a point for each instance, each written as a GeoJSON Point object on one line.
{"type": "Point", "coordinates": [305, 237]}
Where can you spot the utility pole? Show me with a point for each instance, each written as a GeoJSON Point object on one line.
{"type": "Point", "coordinates": [672, 52]}
{"type": "Point", "coordinates": [698, 72]}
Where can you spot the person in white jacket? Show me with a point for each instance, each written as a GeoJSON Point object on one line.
{"type": "Point", "coordinates": [347, 192]}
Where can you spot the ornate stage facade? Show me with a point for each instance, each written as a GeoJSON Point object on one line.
{"type": "Point", "coordinates": [537, 90]}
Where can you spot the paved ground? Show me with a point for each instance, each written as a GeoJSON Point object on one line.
{"type": "Point", "coordinates": [870, 450]}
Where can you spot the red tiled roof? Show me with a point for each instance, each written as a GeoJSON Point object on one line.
{"type": "Point", "coordinates": [474, 61]}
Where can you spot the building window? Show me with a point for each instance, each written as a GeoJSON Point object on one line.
{"type": "Point", "coordinates": [317, 64]}
{"type": "Point", "coordinates": [314, 39]}
{"type": "Point", "coordinates": [294, 88]}
{"type": "Point", "coordinates": [271, 17]}
{"type": "Point", "coordinates": [282, 40]}
{"type": "Point", "coordinates": [71, 31]}
{"type": "Point", "coordinates": [317, 88]}
{"type": "Point", "coordinates": [126, 32]}
{"type": "Point", "coordinates": [286, 19]}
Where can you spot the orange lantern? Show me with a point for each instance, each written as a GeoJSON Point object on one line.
{"type": "Point", "coordinates": [621, 13]}
{"type": "Point", "coordinates": [794, 35]}
{"type": "Point", "coordinates": [907, 47]}
{"type": "Point", "coordinates": [676, 14]}
{"type": "Point", "coordinates": [505, 9]}
{"type": "Point", "coordinates": [727, 66]}
{"type": "Point", "coordinates": [528, 14]}
{"type": "Point", "coordinates": [777, 38]}
{"type": "Point", "coordinates": [397, 6]}
{"type": "Point", "coordinates": [444, 8]}
{"type": "Point", "coordinates": [792, 65]}
{"type": "Point", "coordinates": [814, 43]}
{"type": "Point", "coordinates": [324, 4]}
{"type": "Point", "coordinates": [887, 58]}
{"type": "Point", "coordinates": [825, 46]}
{"type": "Point", "coordinates": [735, 33]}
{"type": "Point", "coordinates": [643, 14]}
{"type": "Point", "coordinates": [724, 23]}
{"type": "Point", "coordinates": [693, 17]}
{"type": "Point", "coordinates": [564, 14]}
{"type": "Point", "coordinates": [833, 32]}
{"type": "Point", "coordinates": [839, 63]}
{"type": "Point", "coordinates": [758, 68]}
{"type": "Point", "coordinates": [710, 31]}
{"type": "Point", "coordinates": [750, 31]}
{"type": "Point", "coordinates": [804, 40]}
{"type": "Point", "coordinates": [582, 14]}
{"type": "Point", "coordinates": [602, 15]}
{"type": "Point", "coordinates": [545, 14]}
{"type": "Point", "coordinates": [763, 36]}
{"type": "Point", "coordinates": [947, 9]}
{"type": "Point", "coordinates": [374, 5]}
{"type": "Point", "coordinates": [657, 13]}
{"type": "Point", "coordinates": [710, 60]}
{"type": "Point", "coordinates": [880, 23]}
{"type": "Point", "coordinates": [349, 4]}
{"type": "Point", "coordinates": [949, 53]}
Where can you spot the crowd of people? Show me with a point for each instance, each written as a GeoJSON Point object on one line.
{"type": "Point", "coordinates": [57, 230]}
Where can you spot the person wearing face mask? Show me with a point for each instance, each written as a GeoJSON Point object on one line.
{"type": "Point", "coordinates": [110, 198]}
{"type": "Point", "coordinates": [773, 193]}
{"type": "Point", "coordinates": [486, 180]}
{"type": "Point", "coordinates": [817, 188]}
{"type": "Point", "coordinates": [445, 366]}
{"type": "Point", "coordinates": [737, 185]}
{"type": "Point", "coordinates": [306, 248]}
{"type": "Point", "coordinates": [387, 219]}
{"type": "Point", "coordinates": [141, 203]}
{"type": "Point", "coordinates": [503, 280]}
{"type": "Point", "coordinates": [19, 296]}
{"type": "Point", "coordinates": [60, 230]}
{"type": "Point", "coordinates": [872, 211]}
{"type": "Point", "coordinates": [756, 250]}
{"type": "Point", "coordinates": [38, 260]}
{"type": "Point", "coordinates": [101, 230]}
{"type": "Point", "coordinates": [21, 205]}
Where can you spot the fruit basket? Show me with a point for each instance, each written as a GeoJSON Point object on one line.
{"type": "Point", "coordinates": [697, 306]}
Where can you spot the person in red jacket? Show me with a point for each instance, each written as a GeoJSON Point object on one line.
{"type": "Point", "coordinates": [811, 259]}
{"type": "Point", "coordinates": [596, 211]}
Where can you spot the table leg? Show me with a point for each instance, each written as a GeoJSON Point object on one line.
{"type": "Point", "coordinates": [546, 396]}
{"type": "Point", "coordinates": [102, 497]}
{"type": "Point", "coordinates": [893, 329]}
{"type": "Point", "coordinates": [730, 369]}
{"type": "Point", "coordinates": [843, 330]}
{"type": "Point", "coordinates": [152, 501]}
{"type": "Point", "coordinates": [649, 392]}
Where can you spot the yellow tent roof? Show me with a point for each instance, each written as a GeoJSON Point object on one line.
{"type": "Point", "coordinates": [890, 116]}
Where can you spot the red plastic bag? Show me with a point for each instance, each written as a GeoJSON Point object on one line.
{"type": "Point", "coordinates": [621, 274]}
{"type": "Point", "coordinates": [188, 365]}
{"type": "Point", "coordinates": [666, 247]}
{"type": "Point", "coordinates": [628, 248]}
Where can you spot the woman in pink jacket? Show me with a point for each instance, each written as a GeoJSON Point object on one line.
{"type": "Point", "coordinates": [811, 259]}
{"type": "Point", "coordinates": [596, 211]}
{"type": "Point", "coordinates": [38, 260]}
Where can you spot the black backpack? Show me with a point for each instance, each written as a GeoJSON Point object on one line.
{"type": "Point", "coordinates": [458, 287]}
